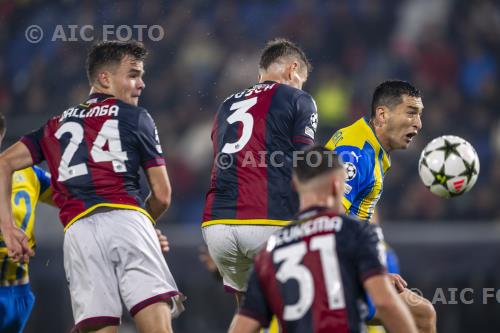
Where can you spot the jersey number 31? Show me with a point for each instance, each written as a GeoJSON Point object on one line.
{"type": "Point", "coordinates": [293, 268]}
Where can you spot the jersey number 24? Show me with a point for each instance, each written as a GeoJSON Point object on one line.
{"type": "Point", "coordinates": [109, 133]}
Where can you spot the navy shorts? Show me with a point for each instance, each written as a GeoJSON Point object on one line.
{"type": "Point", "coordinates": [16, 303]}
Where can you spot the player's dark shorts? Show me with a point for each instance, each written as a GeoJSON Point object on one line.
{"type": "Point", "coordinates": [16, 303]}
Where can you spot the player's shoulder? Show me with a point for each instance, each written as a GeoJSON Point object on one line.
{"type": "Point", "coordinates": [294, 95]}
{"type": "Point", "coordinates": [133, 114]}
{"type": "Point", "coordinates": [354, 135]}
{"type": "Point", "coordinates": [358, 228]}
{"type": "Point", "coordinates": [23, 174]}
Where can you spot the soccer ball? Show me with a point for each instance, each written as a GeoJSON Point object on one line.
{"type": "Point", "coordinates": [448, 166]}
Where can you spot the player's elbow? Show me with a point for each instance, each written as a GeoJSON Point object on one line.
{"type": "Point", "coordinates": [386, 304]}
{"type": "Point", "coordinates": [5, 167]}
{"type": "Point", "coordinates": [163, 198]}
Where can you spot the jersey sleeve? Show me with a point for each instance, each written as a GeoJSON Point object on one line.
{"type": "Point", "coordinates": [33, 142]}
{"type": "Point", "coordinates": [371, 256]}
{"type": "Point", "coordinates": [149, 142]}
{"type": "Point", "coordinates": [254, 302]}
{"type": "Point", "coordinates": [44, 180]}
{"type": "Point", "coordinates": [305, 122]}
{"type": "Point", "coordinates": [357, 167]}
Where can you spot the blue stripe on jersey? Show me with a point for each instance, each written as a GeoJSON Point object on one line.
{"type": "Point", "coordinates": [43, 178]}
{"type": "Point", "coordinates": [131, 182]}
{"type": "Point", "coordinates": [282, 200]}
{"type": "Point", "coordinates": [370, 179]}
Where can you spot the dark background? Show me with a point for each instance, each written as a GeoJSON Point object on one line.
{"type": "Point", "coordinates": [449, 49]}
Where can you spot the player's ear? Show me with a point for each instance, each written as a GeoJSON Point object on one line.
{"type": "Point", "coordinates": [381, 115]}
{"type": "Point", "coordinates": [292, 70]}
{"type": "Point", "coordinates": [103, 79]}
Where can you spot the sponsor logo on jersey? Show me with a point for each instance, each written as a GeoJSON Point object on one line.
{"type": "Point", "coordinates": [355, 156]}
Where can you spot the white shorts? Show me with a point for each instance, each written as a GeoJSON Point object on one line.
{"type": "Point", "coordinates": [233, 247]}
{"type": "Point", "coordinates": [113, 254]}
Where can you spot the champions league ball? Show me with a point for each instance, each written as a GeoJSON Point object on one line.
{"type": "Point", "coordinates": [448, 166]}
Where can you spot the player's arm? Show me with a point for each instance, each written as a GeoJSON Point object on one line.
{"type": "Point", "coordinates": [305, 122]}
{"type": "Point", "coordinates": [370, 260]}
{"type": "Point", "coordinates": [244, 324]}
{"type": "Point", "coordinates": [254, 312]}
{"type": "Point", "coordinates": [390, 308]}
{"type": "Point", "coordinates": [159, 199]}
{"type": "Point", "coordinates": [153, 163]}
{"type": "Point", "coordinates": [16, 157]}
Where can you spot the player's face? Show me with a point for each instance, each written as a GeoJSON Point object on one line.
{"type": "Point", "coordinates": [126, 80]}
{"type": "Point", "coordinates": [403, 122]}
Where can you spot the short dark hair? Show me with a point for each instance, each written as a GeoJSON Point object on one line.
{"type": "Point", "coordinates": [112, 52]}
{"type": "Point", "coordinates": [389, 93]}
{"type": "Point", "coordinates": [315, 161]}
{"type": "Point", "coordinates": [281, 47]}
{"type": "Point", "coordinates": [3, 125]}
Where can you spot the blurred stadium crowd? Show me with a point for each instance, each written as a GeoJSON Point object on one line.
{"type": "Point", "coordinates": [449, 49]}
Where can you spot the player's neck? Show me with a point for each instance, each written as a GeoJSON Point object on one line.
{"type": "Point", "coordinates": [308, 200]}
{"type": "Point", "coordinates": [271, 77]}
{"type": "Point", "coordinates": [381, 137]}
{"type": "Point", "coordinates": [96, 90]}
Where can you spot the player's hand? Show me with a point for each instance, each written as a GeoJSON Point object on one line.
{"type": "Point", "coordinates": [164, 244]}
{"type": "Point", "coordinates": [398, 282]}
{"type": "Point", "coordinates": [17, 243]}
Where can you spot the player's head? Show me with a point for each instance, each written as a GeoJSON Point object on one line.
{"type": "Point", "coordinates": [318, 174]}
{"type": "Point", "coordinates": [396, 113]}
{"type": "Point", "coordinates": [284, 62]}
{"type": "Point", "coordinates": [116, 68]}
{"type": "Point", "coordinates": [3, 128]}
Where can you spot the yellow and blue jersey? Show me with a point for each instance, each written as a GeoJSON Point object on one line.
{"type": "Point", "coordinates": [28, 187]}
{"type": "Point", "coordinates": [366, 164]}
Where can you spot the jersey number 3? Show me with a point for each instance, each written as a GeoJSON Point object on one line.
{"type": "Point", "coordinates": [246, 119]}
{"type": "Point", "coordinates": [293, 268]}
{"type": "Point", "coordinates": [109, 133]}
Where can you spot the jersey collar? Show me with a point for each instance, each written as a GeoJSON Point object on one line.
{"type": "Point", "coordinates": [310, 212]}
{"type": "Point", "coordinates": [97, 96]}
{"type": "Point", "coordinates": [386, 159]}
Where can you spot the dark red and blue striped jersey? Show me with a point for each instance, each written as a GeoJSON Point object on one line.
{"type": "Point", "coordinates": [255, 135]}
{"type": "Point", "coordinates": [310, 274]}
{"type": "Point", "coordinates": [94, 152]}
